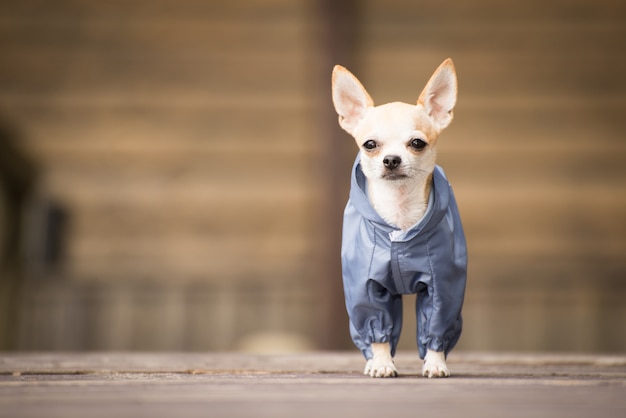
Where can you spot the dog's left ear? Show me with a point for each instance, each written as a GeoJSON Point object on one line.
{"type": "Point", "coordinates": [439, 95]}
{"type": "Point", "coordinates": [350, 98]}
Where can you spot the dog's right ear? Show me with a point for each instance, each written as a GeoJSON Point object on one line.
{"type": "Point", "coordinates": [350, 98]}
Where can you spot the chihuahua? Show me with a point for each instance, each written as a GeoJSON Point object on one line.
{"type": "Point", "coordinates": [402, 232]}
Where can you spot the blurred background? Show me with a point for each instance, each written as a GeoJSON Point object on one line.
{"type": "Point", "coordinates": [172, 175]}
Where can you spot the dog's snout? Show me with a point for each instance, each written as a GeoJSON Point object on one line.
{"type": "Point", "coordinates": [392, 161]}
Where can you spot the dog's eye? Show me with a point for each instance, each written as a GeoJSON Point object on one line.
{"type": "Point", "coordinates": [418, 144]}
{"type": "Point", "coordinates": [370, 144]}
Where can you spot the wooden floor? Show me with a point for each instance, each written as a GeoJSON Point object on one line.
{"type": "Point", "coordinates": [307, 385]}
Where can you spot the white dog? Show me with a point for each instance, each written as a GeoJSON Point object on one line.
{"type": "Point", "coordinates": [402, 232]}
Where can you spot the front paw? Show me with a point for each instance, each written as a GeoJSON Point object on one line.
{"type": "Point", "coordinates": [435, 365]}
{"type": "Point", "coordinates": [380, 368]}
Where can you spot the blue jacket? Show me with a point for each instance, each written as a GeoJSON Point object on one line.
{"type": "Point", "coordinates": [381, 263]}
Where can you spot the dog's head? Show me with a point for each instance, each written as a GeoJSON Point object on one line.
{"type": "Point", "coordinates": [397, 139]}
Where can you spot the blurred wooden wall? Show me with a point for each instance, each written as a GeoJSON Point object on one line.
{"type": "Point", "coordinates": [188, 141]}
{"type": "Point", "coordinates": [179, 136]}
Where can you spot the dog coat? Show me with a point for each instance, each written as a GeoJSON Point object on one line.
{"type": "Point", "coordinates": [381, 263]}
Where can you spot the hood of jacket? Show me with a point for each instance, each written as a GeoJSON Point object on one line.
{"type": "Point", "coordinates": [438, 204]}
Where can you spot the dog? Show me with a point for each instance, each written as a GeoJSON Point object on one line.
{"type": "Point", "coordinates": [402, 232]}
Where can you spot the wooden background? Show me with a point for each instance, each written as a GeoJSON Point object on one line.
{"type": "Point", "coordinates": [193, 148]}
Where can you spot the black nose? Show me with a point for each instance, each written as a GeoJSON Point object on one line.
{"type": "Point", "coordinates": [392, 161]}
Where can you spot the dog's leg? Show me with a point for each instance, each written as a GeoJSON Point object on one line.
{"type": "Point", "coordinates": [381, 364]}
{"type": "Point", "coordinates": [435, 365]}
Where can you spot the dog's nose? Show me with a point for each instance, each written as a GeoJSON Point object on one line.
{"type": "Point", "coordinates": [392, 161]}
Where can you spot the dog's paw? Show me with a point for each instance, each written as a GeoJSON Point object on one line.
{"type": "Point", "coordinates": [380, 368]}
{"type": "Point", "coordinates": [435, 365]}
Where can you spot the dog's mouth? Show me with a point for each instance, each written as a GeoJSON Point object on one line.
{"type": "Point", "coordinates": [394, 176]}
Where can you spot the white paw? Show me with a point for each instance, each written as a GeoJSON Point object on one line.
{"type": "Point", "coordinates": [380, 368]}
{"type": "Point", "coordinates": [381, 363]}
{"type": "Point", "coordinates": [435, 365]}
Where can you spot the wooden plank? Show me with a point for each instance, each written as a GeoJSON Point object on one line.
{"type": "Point", "coordinates": [541, 364]}
{"type": "Point", "coordinates": [194, 216]}
{"type": "Point", "coordinates": [152, 9]}
{"type": "Point", "coordinates": [188, 258]}
{"type": "Point", "coordinates": [490, 11]}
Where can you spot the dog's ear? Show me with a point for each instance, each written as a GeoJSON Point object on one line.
{"type": "Point", "coordinates": [350, 98]}
{"type": "Point", "coordinates": [439, 95]}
